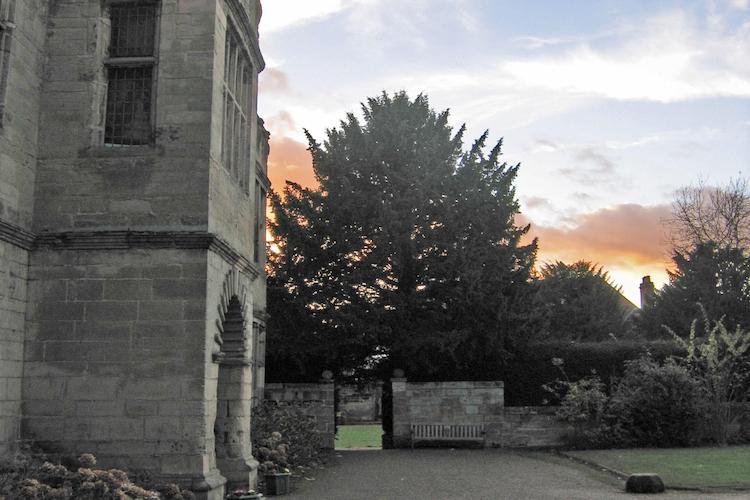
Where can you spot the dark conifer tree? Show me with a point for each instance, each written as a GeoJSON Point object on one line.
{"type": "Point", "coordinates": [406, 255]}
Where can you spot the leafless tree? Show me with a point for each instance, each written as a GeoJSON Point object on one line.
{"type": "Point", "coordinates": [702, 213]}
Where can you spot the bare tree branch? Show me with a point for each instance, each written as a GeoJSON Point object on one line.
{"type": "Point", "coordinates": [701, 213]}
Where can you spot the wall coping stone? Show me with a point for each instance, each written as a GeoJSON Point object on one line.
{"type": "Point", "coordinates": [455, 385]}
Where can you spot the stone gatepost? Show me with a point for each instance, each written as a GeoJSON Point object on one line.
{"type": "Point", "coordinates": [401, 415]}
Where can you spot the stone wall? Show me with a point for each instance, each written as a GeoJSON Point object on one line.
{"type": "Point", "coordinates": [315, 400]}
{"type": "Point", "coordinates": [526, 427]}
{"type": "Point", "coordinates": [473, 403]}
{"type": "Point", "coordinates": [19, 113]}
{"type": "Point", "coordinates": [359, 404]}
{"type": "Point", "coordinates": [13, 270]}
{"type": "Point", "coordinates": [116, 356]}
{"type": "Point", "coordinates": [82, 184]}
{"type": "Point", "coordinates": [442, 403]}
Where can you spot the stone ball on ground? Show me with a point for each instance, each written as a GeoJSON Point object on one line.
{"type": "Point", "coordinates": [644, 483]}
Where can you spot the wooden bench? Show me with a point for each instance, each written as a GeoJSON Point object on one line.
{"type": "Point", "coordinates": [447, 432]}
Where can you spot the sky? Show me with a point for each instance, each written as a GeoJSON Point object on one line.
{"type": "Point", "coordinates": [608, 105]}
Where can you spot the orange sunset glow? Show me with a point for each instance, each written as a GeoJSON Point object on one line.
{"type": "Point", "coordinates": [609, 107]}
{"type": "Point", "coordinates": [628, 240]}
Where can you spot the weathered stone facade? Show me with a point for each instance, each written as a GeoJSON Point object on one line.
{"type": "Point", "coordinates": [23, 32]}
{"type": "Point", "coordinates": [134, 271]}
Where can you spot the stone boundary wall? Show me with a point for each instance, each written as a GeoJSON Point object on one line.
{"type": "Point", "coordinates": [482, 403]}
{"type": "Point", "coordinates": [359, 405]}
{"type": "Point", "coordinates": [474, 403]}
{"type": "Point", "coordinates": [526, 427]}
{"type": "Point", "coordinates": [315, 400]}
{"type": "Point", "coordinates": [443, 403]}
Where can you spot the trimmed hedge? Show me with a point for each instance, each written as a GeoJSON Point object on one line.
{"type": "Point", "coordinates": [525, 374]}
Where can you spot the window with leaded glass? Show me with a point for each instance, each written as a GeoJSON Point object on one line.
{"type": "Point", "coordinates": [238, 74]}
{"type": "Point", "coordinates": [130, 70]}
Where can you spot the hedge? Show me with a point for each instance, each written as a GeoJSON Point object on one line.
{"type": "Point", "coordinates": [528, 371]}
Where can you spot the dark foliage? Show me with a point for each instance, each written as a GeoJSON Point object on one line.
{"type": "Point", "coordinates": [531, 369]}
{"type": "Point", "coordinates": [284, 435]}
{"type": "Point", "coordinates": [579, 302]}
{"type": "Point", "coordinates": [406, 256]}
{"type": "Point", "coordinates": [716, 277]}
{"type": "Point", "coordinates": [655, 405]}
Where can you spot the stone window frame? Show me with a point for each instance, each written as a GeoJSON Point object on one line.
{"type": "Point", "coordinates": [259, 222]}
{"type": "Point", "coordinates": [151, 62]}
{"type": "Point", "coordinates": [7, 15]}
{"type": "Point", "coordinates": [259, 358]}
{"type": "Point", "coordinates": [238, 106]}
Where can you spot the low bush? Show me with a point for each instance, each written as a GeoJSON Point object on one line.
{"type": "Point", "coordinates": [656, 405]}
{"type": "Point", "coordinates": [288, 432]}
{"type": "Point", "coordinates": [719, 360]}
{"type": "Point", "coordinates": [30, 476]}
{"type": "Point", "coordinates": [530, 370]}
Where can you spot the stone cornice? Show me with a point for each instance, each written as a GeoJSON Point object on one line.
{"type": "Point", "coordinates": [124, 240]}
{"type": "Point", "coordinates": [16, 235]}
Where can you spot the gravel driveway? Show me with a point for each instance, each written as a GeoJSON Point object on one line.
{"type": "Point", "coordinates": [467, 474]}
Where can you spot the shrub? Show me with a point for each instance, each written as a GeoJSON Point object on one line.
{"type": "Point", "coordinates": [719, 360]}
{"type": "Point", "coordinates": [582, 404]}
{"type": "Point", "coordinates": [531, 369]}
{"type": "Point", "coordinates": [272, 454]}
{"type": "Point", "coordinates": [655, 404]}
{"type": "Point", "coordinates": [274, 425]}
{"type": "Point", "coordinates": [33, 477]}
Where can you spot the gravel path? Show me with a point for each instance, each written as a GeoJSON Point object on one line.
{"type": "Point", "coordinates": [467, 474]}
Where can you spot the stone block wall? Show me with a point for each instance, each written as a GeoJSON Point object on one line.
{"type": "Point", "coordinates": [443, 403]}
{"type": "Point", "coordinates": [19, 113]}
{"type": "Point", "coordinates": [231, 207]}
{"type": "Point", "coordinates": [526, 427]}
{"type": "Point", "coordinates": [315, 400]}
{"type": "Point", "coordinates": [359, 405]}
{"type": "Point", "coordinates": [474, 403]}
{"type": "Point", "coordinates": [13, 269]}
{"type": "Point", "coordinates": [82, 184]}
{"type": "Point", "coordinates": [116, 355]}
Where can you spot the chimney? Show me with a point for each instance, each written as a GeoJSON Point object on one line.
{"type": "Point", "coordinates": [648, 292]}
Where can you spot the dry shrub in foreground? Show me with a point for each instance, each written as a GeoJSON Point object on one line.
{"type": "Point", "coordinates": [33, 477]}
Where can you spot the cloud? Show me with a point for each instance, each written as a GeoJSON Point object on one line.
{"type": "Point", "coordinates": [544, 146]}
{"type": "Point", "coordinates": [537, 42]}
{"type": "Point", "coordinates": [281, 123]}
{"type": "Point", "coordinates": [602, 164]}
{"type": "Point", "coordinates": [536, 202]}
{"type": "Point", "coordinates": [273, 80]}
{"type": "Point", "coordinates": [628, 240]}
{"type": "Point", "coordinates": [623, 233]}
{"type": "Point", "coordinates": [279, 15]}
{"type": "Point", "coordinates": [289, 160]}
{"type": "Point", "coordinates": [671, 57]}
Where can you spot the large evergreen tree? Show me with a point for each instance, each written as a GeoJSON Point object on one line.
{"type": "Point", "coordinates": [717, 277]}
{"type": "Point", "coordinates": [406, 254]}
{"type": "Point", "coordinates": [579, 302]}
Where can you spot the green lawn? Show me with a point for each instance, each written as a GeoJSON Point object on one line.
{"type": "Point", "coordinates": [358, 436]}
{"type": "Point", "coordinates": [687, 467]}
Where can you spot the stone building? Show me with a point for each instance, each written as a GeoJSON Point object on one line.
{"type": "Point", "coordinates": [132, 194]}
